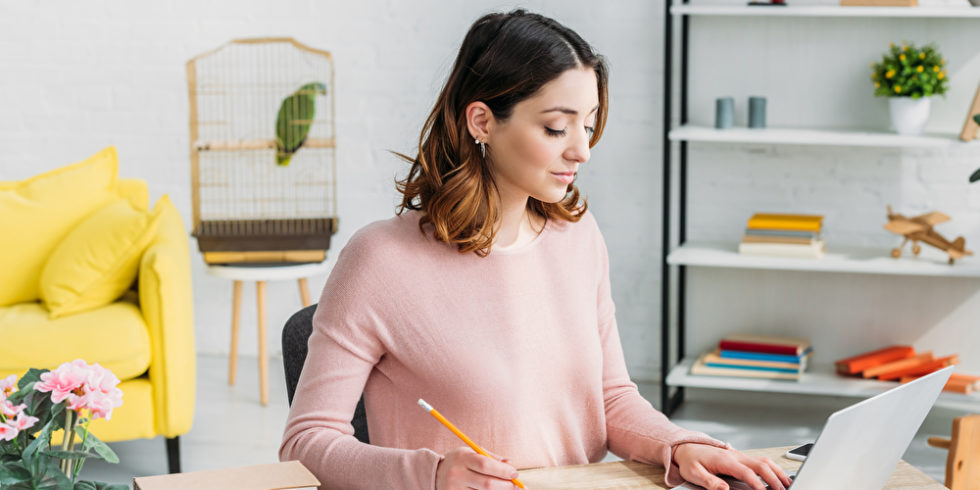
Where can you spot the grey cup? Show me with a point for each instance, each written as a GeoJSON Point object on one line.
{"type": "Point", "coordinates": [757, 112]}
{"type": "Point", "coordinates": [724, 112]}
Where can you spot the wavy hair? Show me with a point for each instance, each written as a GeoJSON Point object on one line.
{"type": "Point", "coordinates": [504, 59]}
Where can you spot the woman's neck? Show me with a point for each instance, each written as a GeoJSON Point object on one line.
{"type": "Point", "coordinates": [516, 225]}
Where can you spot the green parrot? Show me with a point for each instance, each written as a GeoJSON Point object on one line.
{"type": "Point", "coordinates": [294, 120]}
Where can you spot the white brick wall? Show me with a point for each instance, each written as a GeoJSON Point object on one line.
{"type": "Point", "coordinates": [78, 76]}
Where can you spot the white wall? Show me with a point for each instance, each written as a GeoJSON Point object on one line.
{"type": "Point", "coordinates": [78, 76]}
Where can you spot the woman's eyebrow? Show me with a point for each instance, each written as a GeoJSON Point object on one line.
{"type": "Point", "coordinates": [567, 110]}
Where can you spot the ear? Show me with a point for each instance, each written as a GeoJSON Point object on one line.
{"type": "Point", "coordinates": [479, 119]}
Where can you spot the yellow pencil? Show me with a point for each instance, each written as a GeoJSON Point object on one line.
{"type": "Point", "coordinates": [469, 442]}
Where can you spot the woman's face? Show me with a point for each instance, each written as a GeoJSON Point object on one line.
{"type": "Point", "coordinates": [536, 152]}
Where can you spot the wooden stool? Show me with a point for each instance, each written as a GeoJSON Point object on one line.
{"type": "Point", "coordinates": [963, 461]}
{"type": "Point", "coordinates": [260, 274]}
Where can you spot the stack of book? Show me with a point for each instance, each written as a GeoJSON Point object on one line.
{"type": "Point", "coordinates": [756, 356]}
{"type": "Point", "coordinates": [902, 363]}
{"type": "Point", "coordinates": [783, 235]}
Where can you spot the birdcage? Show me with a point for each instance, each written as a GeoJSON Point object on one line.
{"type": "Point", "coordinates": [263, 166]}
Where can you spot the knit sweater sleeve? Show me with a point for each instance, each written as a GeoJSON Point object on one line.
{"type": "Point", "coordinates": [635, 430]}
{"type": "Point", "coordinates": [343, 349]}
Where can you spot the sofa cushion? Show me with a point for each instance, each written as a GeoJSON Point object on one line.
{"type": "Point", "coordinates": [98, 259]}
{"type": "Point", "coordinates": [115, 336]}
{"type": "Point", "coordinates": [38, 212]}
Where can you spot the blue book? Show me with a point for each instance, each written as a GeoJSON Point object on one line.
{"type": "Point", "coordinates": [753, 368]}
{"type": "Point", "coordinates": [761, 356]}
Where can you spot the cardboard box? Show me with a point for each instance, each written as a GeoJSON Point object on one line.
{"type": "Point", "coordinates": [275, 476]}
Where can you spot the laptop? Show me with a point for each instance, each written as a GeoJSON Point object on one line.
{"type": "Point", "coordinates": [860, 445]}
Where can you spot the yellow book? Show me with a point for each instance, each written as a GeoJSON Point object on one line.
{"type": "Point", "coordinates": [796, 222]}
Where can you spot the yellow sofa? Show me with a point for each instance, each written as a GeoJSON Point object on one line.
{"type": "Point", "coordinates": [145, 336]}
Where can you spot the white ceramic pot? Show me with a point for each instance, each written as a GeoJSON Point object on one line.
{"type": "Point", "coordinates": [909, 116]}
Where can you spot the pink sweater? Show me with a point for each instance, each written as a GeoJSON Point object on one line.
{"type": "Point", "coordinates": [519, 349]}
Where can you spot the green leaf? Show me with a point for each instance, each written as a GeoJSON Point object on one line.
{"type": "Point", "coordinates": [50, 477]}
{"type": "Point", "coordinates": [976, 118]}
{"type": "Point", "coordinates": [92, 442]}
{"type": "Point", "coordinates": [30, 377]}
{"type": "Point", "coordinates": [13, 472]}
{"type": "Point", "coordinates": [99, 485]}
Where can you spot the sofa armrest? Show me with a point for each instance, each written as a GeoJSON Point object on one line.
{"type": "Point", "coordinates": [167, 304]}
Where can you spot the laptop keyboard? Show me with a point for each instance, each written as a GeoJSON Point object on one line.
{"type": "Point", "coordinates": [736, 484]}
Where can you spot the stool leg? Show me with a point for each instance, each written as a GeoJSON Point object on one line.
{"type": "Point", "coordinates": [263, 361]}
{"type": "Point", "coordinates": [304, 292]}
{"type": "Point", "coordinates": [236, 303]}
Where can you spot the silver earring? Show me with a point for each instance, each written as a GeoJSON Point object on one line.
{"type": "Point", "coordinates": [483, 147]}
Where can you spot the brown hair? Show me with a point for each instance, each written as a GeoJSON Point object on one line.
{"type": "Point", "coordinates": [504, 59]}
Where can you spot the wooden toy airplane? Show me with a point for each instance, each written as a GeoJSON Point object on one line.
{"type": "Point", "coordinates": [919, 229]}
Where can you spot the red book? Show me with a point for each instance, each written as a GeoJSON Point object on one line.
{"type": "Point", "coordinates": [764, 344]}
{"type": "Point", "coordinates": [860, 362]}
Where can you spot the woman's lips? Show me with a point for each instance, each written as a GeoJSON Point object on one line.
{"type": "Point", "coordinates": [565, 177]}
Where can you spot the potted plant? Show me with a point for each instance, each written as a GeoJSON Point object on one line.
{"type": "Point", "coordinates": [909, 77]}
{"type": "Point", "coordinates": [43, 402]}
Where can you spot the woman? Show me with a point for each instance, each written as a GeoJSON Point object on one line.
{"type": "Point", "coordinates": [488, 296]}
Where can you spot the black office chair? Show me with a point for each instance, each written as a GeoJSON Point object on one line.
{"type": "Point", "coordinates": [295, 336]}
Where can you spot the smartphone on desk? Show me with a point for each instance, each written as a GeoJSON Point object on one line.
{"type": "Point", "coordinates": [799, 453]}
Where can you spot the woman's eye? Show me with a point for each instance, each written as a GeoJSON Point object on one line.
{"type": "Point", "coordinates": [554, 132]}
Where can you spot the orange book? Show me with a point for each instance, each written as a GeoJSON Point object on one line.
{"type": "Point", "coordinates": [899, 364]}
{"type": "Point", "coordinates": [958, 383]}
{"type": "Point", "coordinates": [923, 368]}
{"type": "Point", "coordinates": [860, 362]}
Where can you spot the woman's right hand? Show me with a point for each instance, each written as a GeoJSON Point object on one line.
{"type": "Point", "coordinates": [462, 468]}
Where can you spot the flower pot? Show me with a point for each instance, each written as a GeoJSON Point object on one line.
{"type": "Point", "coordinates": [908, 115]}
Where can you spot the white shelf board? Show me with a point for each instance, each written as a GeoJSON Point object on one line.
{"type": "Point", "coordinates": [817, 380]}
{"type": "Point", "coordinates": [826, 11]}
{"type": "Point", "coordinates": [837, 259]}
{"type": "Point", "coordinates": [789, 136]}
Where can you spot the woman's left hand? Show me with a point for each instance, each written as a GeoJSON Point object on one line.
{"type": "Point", "coordinates": [699, 463]}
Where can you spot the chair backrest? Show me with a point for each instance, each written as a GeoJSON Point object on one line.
{"type": "Point", "coordinates": [295, 335]}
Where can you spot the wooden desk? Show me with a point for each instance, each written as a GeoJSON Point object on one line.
{"type": "Point", "coordinates": [628, 474]}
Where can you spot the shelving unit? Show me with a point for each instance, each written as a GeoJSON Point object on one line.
{"type": "Point", "coordinates": [825, 11]}
{"type": "Point", "coordinates": [817, 380]}
{"type": "Point", "coordinates": [799, 136]}
{"type": "Point", "coordinates": [678, 255]}
{"type": "Point", "coordinates": [838, 259]}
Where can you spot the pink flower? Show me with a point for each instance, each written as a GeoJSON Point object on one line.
{"type": "Point", "coordinates": [7, 385]}
{"type": "Point", "coordinates": [101, 393]}
{"type": "Point", "coordinates": [23, 422]}
{"type": "Point", "coordinates": [84, 386]}
{"type": "Point", "coordinates": [9, 410]}
{"type": "Point", "coordinates": [63, 381]}
{"type": "Point", "coordinates": [7, 432]}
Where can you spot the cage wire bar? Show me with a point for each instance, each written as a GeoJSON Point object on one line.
{"type": "Point", "coordinates": [247, 207]}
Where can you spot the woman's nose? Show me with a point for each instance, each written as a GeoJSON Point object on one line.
{"type": "Point", "coordinates": [578, 149]}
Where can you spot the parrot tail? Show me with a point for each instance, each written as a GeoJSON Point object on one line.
{"type": "Point", "coordinates": [282, 159]}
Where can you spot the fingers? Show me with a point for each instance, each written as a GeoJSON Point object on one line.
{"type": "Point", "coordinates": [780, 472]}
{"type": "Point", "coordinates": [489, 467]}
{"type": "Point", "coordinates": [463, 468]}
{"type": "Point", "coordinates": [765, 469]}
{"type": "Point", "coordinates": [696, 473]}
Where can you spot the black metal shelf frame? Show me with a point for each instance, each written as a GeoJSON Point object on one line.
{"type": "Point", "coordinates": [669, 402]}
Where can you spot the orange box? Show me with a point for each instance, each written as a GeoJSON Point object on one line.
{"type": "Point", "coordinates": [860, 362]}
{"type": "Point", "coordinates": [899, 364]}
{"type": "Point", "coordinates": [921, 369]}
